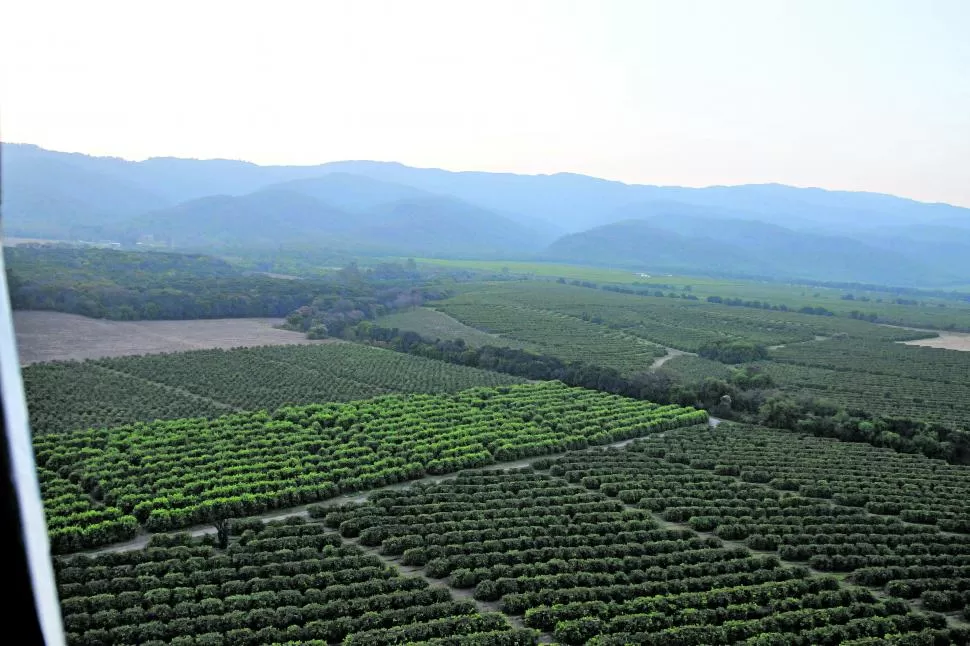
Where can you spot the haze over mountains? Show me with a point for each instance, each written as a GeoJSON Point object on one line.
{"type": "Point", "coordinates": [388, 208]}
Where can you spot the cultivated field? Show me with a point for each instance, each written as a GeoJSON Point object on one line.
{"type": "Point", "coordinates": [915, 309]}
{"type": "Point", "coordinates": [183, 472]}
{"type": "Point", "coordinates": [413, 500]}
{"type": "Point", "coordinates": [438, 325]}
{"type": "Point", "coordinates": [55, 336]}
{"type": "Point", "coordinates": [574, 556]}
{"type": "Point", "coordinates": [206, 383]}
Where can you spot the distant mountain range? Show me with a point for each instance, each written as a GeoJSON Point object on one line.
{"type": "Point", "coordinates": [737, 247]}
{"type": "Point", "coordinates": [387, 208]}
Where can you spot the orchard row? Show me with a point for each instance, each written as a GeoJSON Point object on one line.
{"type": "Point", "coordinates": [886, 519]}
{"type": "Point", "coordinates": [65, 396]}
{"type": "Point", "coordinates": [173, 474]}
{"type": "Point", "coordinates": [584, 567]}
{"type": "Point", "coordinates": [677, 323]}
{"type": "Point", "coordinates": [285, 582]}
{"type": "Point", "coordinates": [877, 394]}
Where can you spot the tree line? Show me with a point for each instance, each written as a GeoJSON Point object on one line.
{"type": "Point", "coordinates": [748, 395]}
{"type": "Point", "coordinates": [126, 285]}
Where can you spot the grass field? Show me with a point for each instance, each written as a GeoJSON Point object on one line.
{"type": "Point", "coordinates": [56, 336]}
{"type": "Point", "coordinates": [549, 270]}
{"type": "Point", "coordinates": [433, 324]}
{"type": "Point", "coordinates": [584, 272]}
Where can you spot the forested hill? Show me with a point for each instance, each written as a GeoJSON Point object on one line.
{"type": "Point", "coordinates": [690, 244]}
{"type": "Point", "coordinates": [37, 182]}
{"type": "Point", "coordinates": [120, 285]}
{"type": "Point", "coordinates": [275, 217]}
{"type": "Point", "coordinates": [384, 208]}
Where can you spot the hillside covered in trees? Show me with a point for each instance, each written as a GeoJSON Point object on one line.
{"type": "Point", "coordinates": [383, 208]}
{"type": "Point", "coordinates": [124, 285]}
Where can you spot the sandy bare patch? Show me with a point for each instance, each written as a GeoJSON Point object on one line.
{"type": "Point", "coordinates": [671, 353]}
{"type": "Point", "coordinates": [49, 336]}
{"type": "Point", "coordinates": [946, 340]}
{"type": "Point", "coordinates": [13, 242]}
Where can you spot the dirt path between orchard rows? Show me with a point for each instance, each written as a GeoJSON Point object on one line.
{"type": "Point", "coordinates": [954, 620]}
{"type": "Point", "coordinates": [468, 593]}
{"type": "Point", "coordinates": [175, 389]}
{"type": "Point", "coordinates": [458, 593]}
{"type": "Point", "coordinates": [517, 621]}
{"type": "Point", "coordinates": [671, 353]}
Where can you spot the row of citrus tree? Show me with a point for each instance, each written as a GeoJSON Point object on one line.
{"type": "Point", "coordinates": [583, 566]}
{"type": "Point", "coordinates": [178, 473]}
{"type": "Point", "coordinates": [788, 506]}
{"type": "Point", "coordinates": [287, 581]}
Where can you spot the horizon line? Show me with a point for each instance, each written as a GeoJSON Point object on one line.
{"type": "Point", "coordinates": [447, 170]}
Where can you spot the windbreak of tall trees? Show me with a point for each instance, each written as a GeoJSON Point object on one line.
{"type": "Point", "coordinates": [331, 314]}
{"type": "Point", "coordinates": [735, 351]}
{"type": "Point", "coordinates": [748, 394]}
{"type": "Point", "coordinates": [513, 361]}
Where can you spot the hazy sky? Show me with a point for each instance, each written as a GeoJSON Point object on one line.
{"type": "Point", "coordinates": [851, 94]}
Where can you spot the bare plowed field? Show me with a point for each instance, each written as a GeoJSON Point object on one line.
{"type": "Point", "coordinates": [947, 340]}
{"type": "Point", "coordinates": [50, 336]}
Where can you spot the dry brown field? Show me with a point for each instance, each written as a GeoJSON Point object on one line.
{"type": "Point", "coordinates": [50, 336]}
{"type": "Point", "coordinates": [947, 340]}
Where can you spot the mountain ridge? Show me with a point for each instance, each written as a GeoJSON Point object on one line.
{"type": "Point", "coordinates": [51, 194]}
{"type": "Point", "coordinates": [739, 247]}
